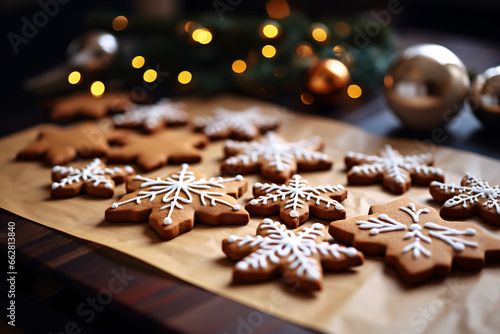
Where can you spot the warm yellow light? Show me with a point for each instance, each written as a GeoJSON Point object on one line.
{"type": "Point", "coordinates": [138, 62]}
{"type": "Point", "coordinates": [338, 50]}
{"type": "Point", "coordinates": [342, 29]}
{"type": "Point", "coordinates": [307, 98]}
{"type": "Point", "coordinates": [239, 66]}
{"type": "Point", "coordinates": [74, 77]}
{"type": "Point", "coordinates": [185, 77]}
{"type": "Point", "coordinates": [319, 34]}
{"type": "Point", "coordinates": [277, 9]}
{"type": "Point", "coordinates": [189, 26]}
{"type": "Point", "coordinates": [120, 23]}
{"type": "Point", "coordinates": [202, 36]}
{"type": "Point", "coordinates": [268, 51]}
{"type": "Point", "coordinates": [97, 88]}
{"type": "Point", "coordinates": [270, 31]}
{"type": "Point", "coordinates": [354, 91]}
{"type": "Point", "coordinates": [304, 50]}
{"type": "Point", "coordinates": [150, 75]}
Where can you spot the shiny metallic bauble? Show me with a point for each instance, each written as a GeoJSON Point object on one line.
{"type": "Point", "coordinates": [485, 100]}
{"type": "Point", "coordinates": [94, 50]}
{"type": "Point", "coordinates": [328, 77]}
{"type": "Point", "coordinates": [426, 86]}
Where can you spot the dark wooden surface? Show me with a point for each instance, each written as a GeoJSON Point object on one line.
{"type": "Point", "coordinates": [57, 273]}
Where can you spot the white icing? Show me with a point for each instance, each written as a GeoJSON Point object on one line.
{"type": "Point", "coordinates": [384, 223]}
{"type": "Point", "coordinates": [248, 122]}
{"type": "Point", "coordinates": [275, 151]}
{"type": "Point", "coordinates": [164, 111]}
{"type": "Point", "coordinates": [279, 243]}
{"type": "Point", "coordinates": [474, 191]}
{"type": "Point", "coordinates": [296, 193]}
{"type": "Point", "coordinates": [397, 167]}
{"type": "Point", "coordinates": [93, 173]}
{"type": "Point", "coordinates": [182, 182]}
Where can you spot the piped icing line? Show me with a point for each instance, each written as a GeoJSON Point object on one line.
{"type": "Point", "coordinates": [93, 173]}
{"type": "Point", "coordinates": [296, 191]}
{"type": "Point", "coordinates": [386, 224]}
{"type": "Point", "coordinates": [182, 182]}
{"type": "Point", "coordinates": [471, 193]}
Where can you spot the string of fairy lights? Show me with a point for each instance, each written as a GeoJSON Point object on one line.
{"type": "Point", "coordinates": [269, 31]}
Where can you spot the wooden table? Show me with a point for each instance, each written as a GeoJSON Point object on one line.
{"type": "Point", "coordinates": [63, 284]}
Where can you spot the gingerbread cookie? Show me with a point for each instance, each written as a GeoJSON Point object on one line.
{"type": "Point", "coordinates": [298, 257]}
{"type": "Point", "coordinates": [174, 203]}
{"type": "Point", "coordinates": [95, 179]}
{"type": "Point", "coordinates": [295, 199]}
{"type": "Point", "coordinates": [473, 196]}
{"type": "Point", "coordinates": [153, 117]}
{"type": "Point", "coordinates": [59, 145]}
{"type": "Point", "coordinates": [396, 171]}
{"type": "Point", "coordinates": [416, 241]}
{"type": "Point", "coordinates": [242, 125]}
{"type": "Point", "coordinates": [275, 158]}
{"type": "Point", "coordinates": [85, 105]}
{"type": "Point", "coordinates": [155, 150]}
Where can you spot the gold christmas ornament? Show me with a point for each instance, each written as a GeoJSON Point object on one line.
{"type": "Point", "coordinates": [485, 100]}
{"type": "Point", "coordinates": [426, 86]}
{"type": "Point", "coordinates": [328, 79]}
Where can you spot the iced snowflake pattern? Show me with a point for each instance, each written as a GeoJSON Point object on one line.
{"type": "Point", "coordinates": [393, 167]}
{"type": "Point", "coordinates": [303, 251]}
{"type": "Point", "coordinates": [244, 125]}
{"type": "Point", "coordinates": [183, 182]}
{"type": "Point", "coordinates": [295, 195]}
{"type": "Point", "coordinates": [473, 191]}
{"type": "Point", "coordinates": [385, 224]}
{"type": "Point", "coordinates": [95, 173]}
{"type": "Point", "coordinates": [153, 117]}
{"type": "Point", "coordinates": [276, 156]}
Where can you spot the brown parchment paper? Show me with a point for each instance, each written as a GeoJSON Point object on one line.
{"type": "Point", "coordinates": [367, 299]}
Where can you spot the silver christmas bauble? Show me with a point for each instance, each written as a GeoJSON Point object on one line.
{"type": "Point", "coordinates": [485, 101]}
{"type": "Point", "coordinates": [426, 86]}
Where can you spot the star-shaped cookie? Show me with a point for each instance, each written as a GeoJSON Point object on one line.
{"type": "Point", "coordinates": [295, 199]}
{"type": "Point", "coordinates": [152, 151]}
{"type": "Point", "coordinates": [173, 204]}
{"type": "Point", "coordinates": [473, 196]}
{"type": "Point", "coordinates": [299, 257]}
{"type": "Point", "coordinates": [275, 158]}
{"type": "Point", "coordinates": [416, 241]}
{"type": "Point", "coordinates": [95, 179]}
{"type": "Point", "coordinates": [59, 145]}
{"type": "Point", "coordinates": [396, 171]}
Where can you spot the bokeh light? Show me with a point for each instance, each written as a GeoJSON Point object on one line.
{"type": "Point", "coordinates": [185, 77]}
{"type": "Point", "coordinates": [307, 98]}
{"type": "Point", "coordinates": [354, 91]}
{"type": "Point", "coordinates": [150, 75]}
{"type": "Point", "coordinates": [202, 36]}
{"type": "Point", "coordinates": [74, 77]}
{"type": "Point", "coordinates": [270, 30]}
{"type": "Point", "coordinates": [138, 62]}
{"type": "Point", "coordinates": [239, 66]}
{"type": "Point", "coordinates": [304, 50]}
{"type": "Point", "coordinates": [268, 51]}
{"type": "Point", "coordinates": [97, 88]}
{"type": "Point", "coordinates": [342, 29]}
{"type": "Point", "coordinates": [120, 23]}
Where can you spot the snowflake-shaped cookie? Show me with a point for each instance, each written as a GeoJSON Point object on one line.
{"type": "Point", "coordinates": [395, 170]}
{"type": "Point", "coordinates": [153, 117]}
{"type": "Point", "coordinates": [95, 179]}
{"type": "Point", "coordinates": [275, 158]}
{"type": "Point", "coordinates": [298, 257]}
{"type": "Point", "coordinates": [295, 199]}
{"type": "Point", "coordinates": [472, 196]}
{"type": "Point", "coordinates": [416, 241]}
{"type": "Point", "coordinates": [59, 145]}
{"type": "Point", "coordinates": [242, 125]}
{"type": "Point", "coordinates": [157, 149]}
{"type": "Point", "coordinates": [174, 203]}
